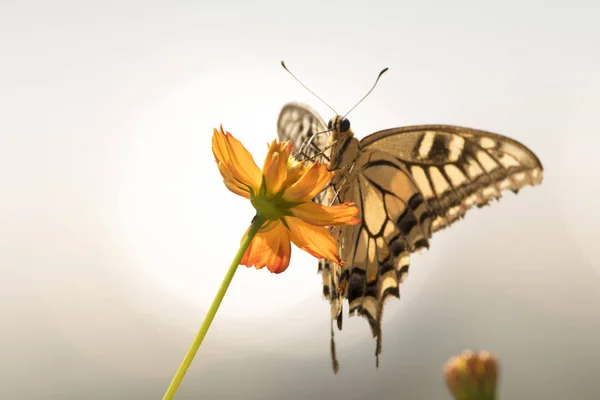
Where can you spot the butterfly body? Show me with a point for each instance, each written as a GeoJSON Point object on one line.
{"type": "Point", "coordinates": [408, 183]}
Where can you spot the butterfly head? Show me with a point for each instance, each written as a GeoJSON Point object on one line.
{"type": "Point", "coordinates": [344, 147]}
{"type": "Point", "coordinates": [340, 129]}
{"type": "Point", "coordinates": [339, 124]}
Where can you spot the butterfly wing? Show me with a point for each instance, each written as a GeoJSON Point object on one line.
{"type": "Point", "coordinates": [298, 123]}
{"type": "Point", "coordinates": [458, 168]}
{"type": "Point", "coordinates": [396, 221]}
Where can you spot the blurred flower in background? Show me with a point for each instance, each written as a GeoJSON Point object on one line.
{"type": "Point", "coordinates": [472, 375]}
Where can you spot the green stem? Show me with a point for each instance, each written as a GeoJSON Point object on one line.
{"type": "Point", "coordinates": [187, 360]}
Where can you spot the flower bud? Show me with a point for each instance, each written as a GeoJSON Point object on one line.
{"type": "Point", "coordinates": [472, 375]}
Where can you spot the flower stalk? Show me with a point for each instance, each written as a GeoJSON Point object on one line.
{"type": "Point", "coordinates": [257, 222]}
{"type": "Point", "coordinates": [281, 194]}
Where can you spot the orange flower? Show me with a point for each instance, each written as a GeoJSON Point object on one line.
{"type": "Point", "coordinates": [472, 376]}
{"type": "Point", "coordinates": [282, 194]}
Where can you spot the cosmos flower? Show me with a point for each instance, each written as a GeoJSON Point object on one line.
{"type": "Point", "coordinates": [281, 194]}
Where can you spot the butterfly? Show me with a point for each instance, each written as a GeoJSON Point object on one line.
{"type": "Point", "coordinates": [408, 183]}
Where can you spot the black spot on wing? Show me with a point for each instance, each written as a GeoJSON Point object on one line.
{"type": "Point", "coordinates": [407, 221]}
{"type": "Point", "coordinates": [404, 269]}
{"type": "Point", "coordinates": [425, 216]}
{"type": "Point", "coordinates": [422, 243]}
{"type": "Point", "coordinates": [392, 291]}
{"type": "Point", "coordinates": [415, 201]}
{"type": "Point", "coordinates": [386, 266]}
{"type": "Point", "coordinates": [356, 285]}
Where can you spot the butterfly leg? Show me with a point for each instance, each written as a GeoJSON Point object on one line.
{"type": "Point", "coordinates": [343, 182]}
{"type": "Point", "coordinates": [320, 152]}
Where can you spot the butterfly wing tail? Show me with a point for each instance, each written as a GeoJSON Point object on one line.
{"type": "Point", "coordinates": [334, 361]}
{"type": "Point", "coordinates": [330, 275]}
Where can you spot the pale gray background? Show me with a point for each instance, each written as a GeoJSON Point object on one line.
{"type": "Point", "coordinates": [116, 229]}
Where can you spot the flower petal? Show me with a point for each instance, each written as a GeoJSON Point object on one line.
{"type": "Point", "coordinates": [311, 183]}
{"type": "Point", "coordinates": [269, 248]}
{"type": "Point", "coordinates": [320, 215]}
{"type": "Point", "coordinates": [235, 158]}
{"type": "Point", "coordinates": [295, 169]}
{"type": "Point", "coordinates": [231, 183]}
{"type": "Point", "coordinates": [275, 166]}
{"type": "Point", "coordinates": [315, 240]}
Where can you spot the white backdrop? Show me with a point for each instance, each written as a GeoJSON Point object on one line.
{"type": "Point", "coordinates": [116, 229]}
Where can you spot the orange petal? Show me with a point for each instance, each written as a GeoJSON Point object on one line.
{"type": "Point", "coordinates": [231, 183]}
{"type": "Point", "coordinates": [311, 183]}
{"type": "Point", "coordinates": [270, 248]}
{"type": "Point", "coordinates": [315, 240]}
{"type": "Point", "coordinates": [275, 166]}
{"type": "Point", "coordinates": [295, 169]}
{"type": "Point", "coordinates": [235, 158]}
{"type": "Point", "coordinates": [317, 214]}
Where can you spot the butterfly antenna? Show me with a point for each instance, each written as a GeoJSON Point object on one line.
{"type": "Point", "coordinates": [304, 86]}
{"type": "Point", "coordinates": [368, 93]}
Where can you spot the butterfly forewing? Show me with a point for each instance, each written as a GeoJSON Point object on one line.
{"type": "Point", "coordinates": [457, 168]}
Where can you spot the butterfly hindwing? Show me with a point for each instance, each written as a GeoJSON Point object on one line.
{"type": "Point", "coordinates": [396, 221]}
